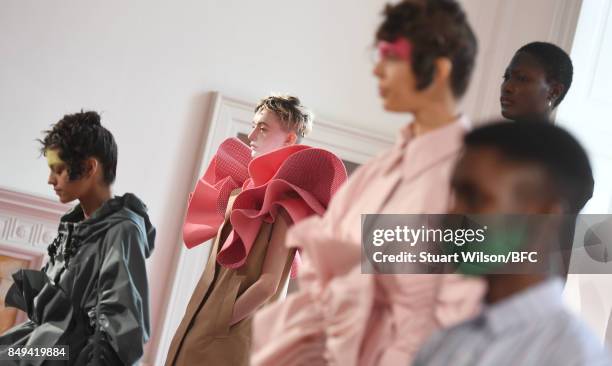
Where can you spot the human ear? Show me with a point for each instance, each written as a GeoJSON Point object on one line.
{"type": "Point", "coordinates": [552, 206]}
{"type": "Point", "coordinates": [443, 67]}
{"type": "Point", "coordinates": [554, 92]}
{"type": "Point", "coordinates": [558, 208]}
{"type": "Point", "coordinates": [91, 167]}
{"type": "Point", "coordinates": [291, 138]}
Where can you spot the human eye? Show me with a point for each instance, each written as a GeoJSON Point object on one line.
{"type": "Point", "coordinates": [469, 196]}
{"type": "Point", "coordinates": [59, 169]}
{"type": "Point", "coordinates": [391, 56]}
{"type": "Point", "coordinates": [522, 78]}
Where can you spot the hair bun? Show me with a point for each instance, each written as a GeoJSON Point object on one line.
{"type": "Point", "coordinates": [91, 118]}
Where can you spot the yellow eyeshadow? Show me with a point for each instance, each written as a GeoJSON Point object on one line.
{"type": "Point", "coordinates": [53, 158]}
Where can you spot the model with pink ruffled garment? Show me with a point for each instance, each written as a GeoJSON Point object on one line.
{"type": "Point", "coordinates": [425, 55]}
{"type": "Point", "coordinates": [246, 200]}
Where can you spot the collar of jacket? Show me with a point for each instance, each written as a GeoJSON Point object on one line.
{"type": "Point", "coordinates": [413, 155]}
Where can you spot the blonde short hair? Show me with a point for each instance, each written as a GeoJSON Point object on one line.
{"type": "Point", "coordinates": [293, 115]}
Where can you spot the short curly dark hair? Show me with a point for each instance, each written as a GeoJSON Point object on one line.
{"type": "Point", "coordinates": [556, 63]}
{"type": "Point", "coordinates": [436, 28]}
{"type": "Point", "coordinates": [80, 136]}
{"type": "Point", "coordinates": [551, 147]}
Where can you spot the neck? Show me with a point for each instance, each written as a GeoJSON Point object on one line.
{"type": "Point", "coordinates": [437, 114]}
{"type": "Point", "coordinates": [94, 199]}
{"type": "Point", "coordinates": [546, 115]}
{"type": "Point", "coordinates": [504, 286]}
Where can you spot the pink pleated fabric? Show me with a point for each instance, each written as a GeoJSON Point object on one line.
{"type": "Point", "coordinates": [299, 179]}
{"type": "Point", "coordinates": [227, 171]}
{"type": "Point", "coordinates": [340, 316]}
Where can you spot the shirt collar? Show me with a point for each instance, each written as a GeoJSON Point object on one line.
{"type": "Point", "coordinates": [526, 307]}
{"type": "Point", "coordinates": [415, 154]}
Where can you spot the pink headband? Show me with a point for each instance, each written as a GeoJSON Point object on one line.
{"type": "Point", "coordinates": [401, 48]}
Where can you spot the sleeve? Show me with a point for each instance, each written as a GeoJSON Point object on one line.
{"type": "Point", "coordinates": [48, 307]}
{"type": "Point", "coordinates": [431, 346]}
{"type": "Point", "coordinates": [459, 298]}
{"type": "Point", "coordinates": [121, 315]}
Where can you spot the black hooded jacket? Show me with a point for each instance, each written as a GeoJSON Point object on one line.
{"type": "Point", "coordinates": [92, 295]}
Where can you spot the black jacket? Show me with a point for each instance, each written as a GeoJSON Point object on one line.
{"type": "Point", "coordinates": [92, 295]}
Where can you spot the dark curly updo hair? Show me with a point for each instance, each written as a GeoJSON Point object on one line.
{"type": "Point", "coordinates": [80, 136]}
{"type": "Point", "coordinates": [436, 28]}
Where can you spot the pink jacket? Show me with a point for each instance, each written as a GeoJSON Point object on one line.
{"type": "Point", "coordinates": [351, 318]}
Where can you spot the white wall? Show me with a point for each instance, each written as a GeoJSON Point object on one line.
{"type": "Point", "coordinates": [148, 66]}
{"type": "Point", "coordinates": [586, 113]}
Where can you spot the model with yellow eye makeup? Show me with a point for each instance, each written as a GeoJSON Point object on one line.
{"type": "Point", "coordinates": [90, 195]}
{"type": "Point", "coordinates": [92, 295]}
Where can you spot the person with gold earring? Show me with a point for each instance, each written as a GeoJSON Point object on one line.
{"type": "Point", "coordinates": [535, 82]}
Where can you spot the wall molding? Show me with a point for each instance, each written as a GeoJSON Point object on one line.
{"type": "Point", "coordinates": [28, 220]}
{"type": "Point", "coordinates": [28, 224]}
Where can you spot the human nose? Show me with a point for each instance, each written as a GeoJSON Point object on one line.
{"type": "Point", "coordinates": [253, 135]}
{"type": "Point", "coordinates": [378, 69]}
{"type": "Point", "coordinates": [507, 87]}
{"type": "Point", "coordinates": [51, 179]}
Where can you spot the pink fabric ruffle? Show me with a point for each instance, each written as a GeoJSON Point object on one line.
{"type": "Point", "coordinates": [299, 179]}
{"type": "Point", "coordinates": [228, 170]}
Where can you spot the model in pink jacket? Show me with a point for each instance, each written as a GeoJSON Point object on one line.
{"type": "Point", "coordinates": [340, 316]}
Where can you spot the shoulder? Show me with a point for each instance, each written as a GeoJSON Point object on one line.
{"type": "Point", "coordinates": [374, 163]}
{"type": "Point", "coordinates": [575, 342]}
{"type": "Point", "coordinates": [126, 230]}
{"type": "Point", "coordinates": [127, 225]}
{"type": "Point", "coordinates": [443, 343]}
{"type": "Point", "coordinates": [129, 238]}
{"type": "Point", "coordinates": [369, 170]}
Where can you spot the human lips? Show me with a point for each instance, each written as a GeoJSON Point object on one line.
{"type": "Point", "coordinates": [253, 150]}
{"type": "Point", "coordinates": [506, 102]}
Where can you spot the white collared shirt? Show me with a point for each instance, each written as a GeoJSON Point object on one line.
{"type": "Point", "coordinates": [529, 328]}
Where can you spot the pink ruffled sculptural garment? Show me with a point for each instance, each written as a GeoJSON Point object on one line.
{"type": "Point", "coordinates": [298, 179]}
